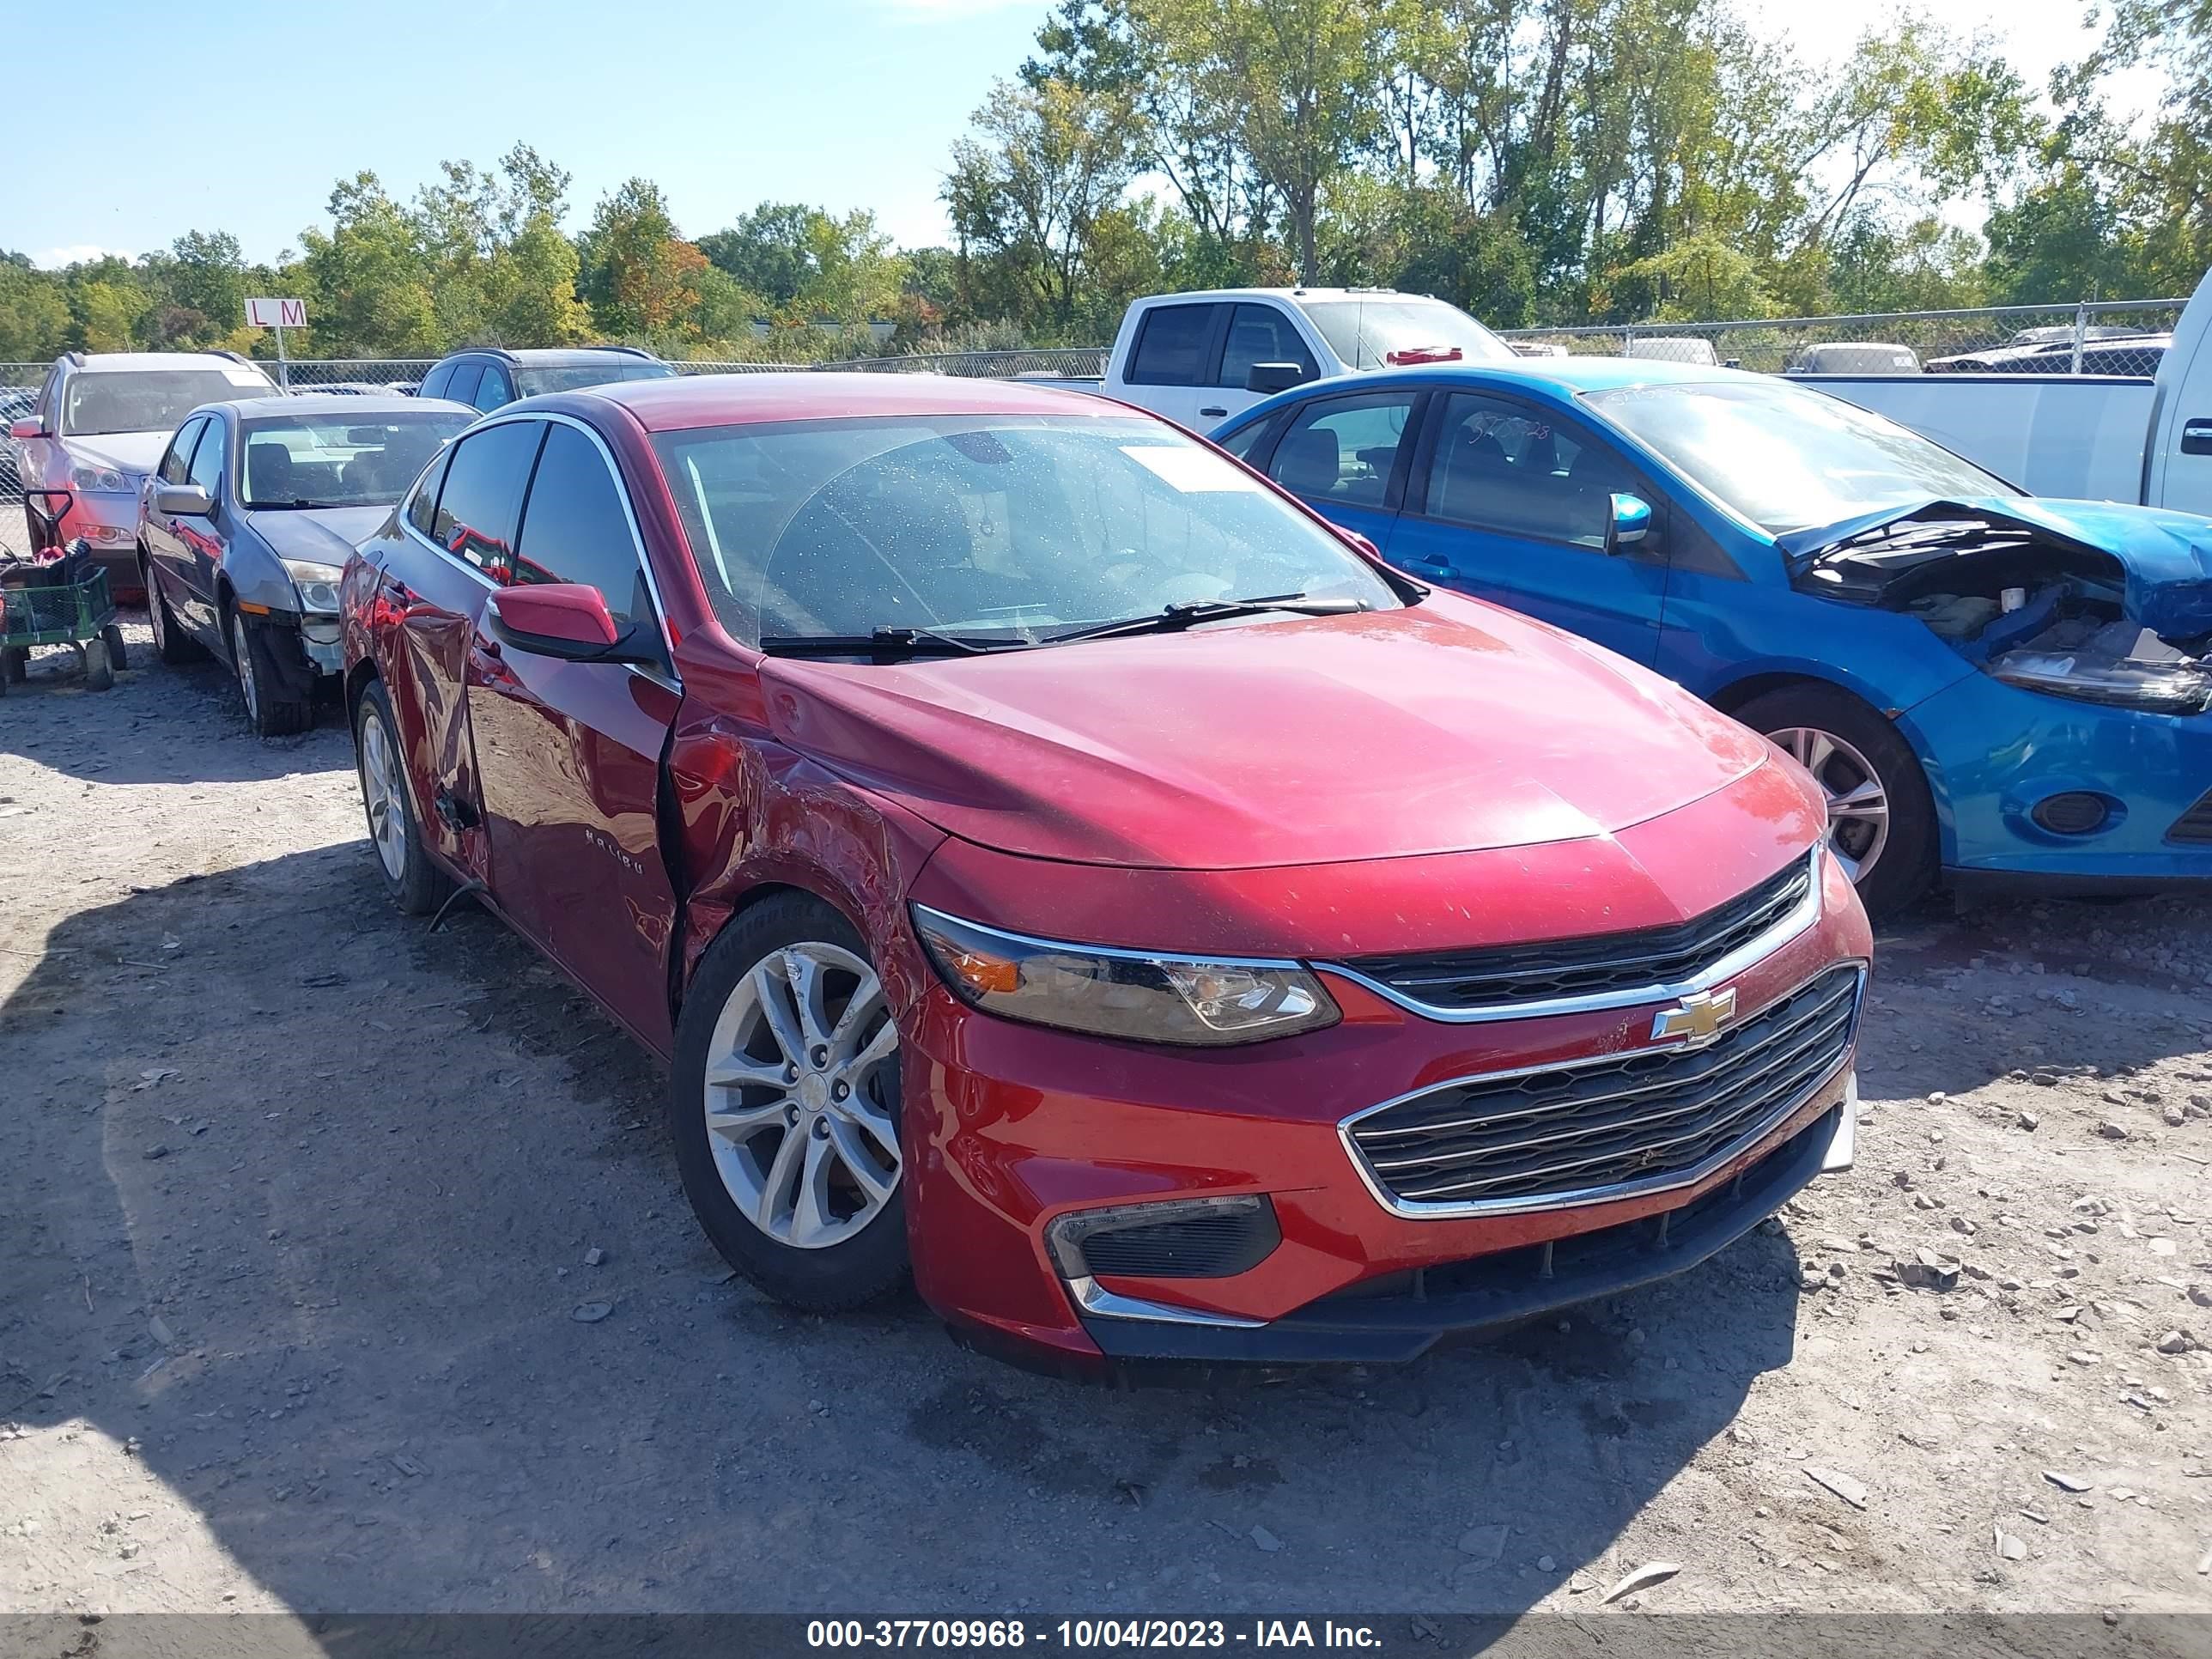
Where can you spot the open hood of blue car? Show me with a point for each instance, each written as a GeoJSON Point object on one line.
{"type": "Point", "coordinates": [2161, 561]}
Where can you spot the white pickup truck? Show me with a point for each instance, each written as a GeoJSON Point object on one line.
{"type": "Point", "coordinates": [2082, 437]}
{"type": "Point", "coordinates": [1200, 358]}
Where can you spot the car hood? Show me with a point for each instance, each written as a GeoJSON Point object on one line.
{"type": "Point", "coordinates": [2165, 557]}
{"type": "Point", "coordinates": [125, 452]}
{"type": "Point", "coordinates": [1450, 726]}
{"type": "Point", "coordinates": [322, 534]}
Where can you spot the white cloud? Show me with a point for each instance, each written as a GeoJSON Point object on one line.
{"type": "Point", "coordinates": [54, 259]}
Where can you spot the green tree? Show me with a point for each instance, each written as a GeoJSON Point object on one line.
{"type": "Point", "coordinates": [34, 313]}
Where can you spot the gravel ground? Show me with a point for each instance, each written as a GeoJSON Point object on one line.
{"type": "Point", "coordinates": [295, 1201]}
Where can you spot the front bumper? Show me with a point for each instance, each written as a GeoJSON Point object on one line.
{"type": "Point", "coordinates": [1024, 1126]}
{"type": "Point", "coordinates": [1995, 752]}
{"type": "Point", "coordinates": [109, 525]}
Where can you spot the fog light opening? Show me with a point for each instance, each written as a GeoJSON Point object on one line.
{"type": "Point", "coordinates": [2075, 812]}
{"type": "Point", "coordinates": [1175, 1238]}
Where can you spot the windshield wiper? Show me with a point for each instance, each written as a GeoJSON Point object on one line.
{"type": "Point", "coordinates": [1189, 614]}
{"type": "Point", "coordinates": [308, 506]}
{"type": "Point", "coordinates": [884, 642]}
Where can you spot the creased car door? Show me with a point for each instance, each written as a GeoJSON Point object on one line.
{"type": "Point", "coordinates": [570, 753]}
{"type": "Point", "coordinates": [440, 592]}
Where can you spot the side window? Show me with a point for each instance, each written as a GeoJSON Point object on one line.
{"type": "Point", "coordinates": [482, 500]}
{"type": "Point", "coordinates": [462, 388]}
{"type": "Point", "coordinates": [435, 382]}
{"type": "Point", "coordinates": [207, 460]}
{"type": "Point", "coordinates": [177, 460]}
{"type": "Point", "coordinates": [49, 406]}
{"type": "Point", "coordinates": [493, 391]}
{"type": "Point", "coordinates": [1342, 449]}
{"type": "Point", "coordinates": [1260, 334]}
{"type": "Point", "coordinates": [1505, 467]}
{"type": "Point", "coordinates": [575, 530]}
{"type": "Point", "coordinates": [422, 510]}
{"type": "Point", "coordinates": [1170, 349]}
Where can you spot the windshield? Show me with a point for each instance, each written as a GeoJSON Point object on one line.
{"type": "Point", "coordinates": [531, 382]}
{"type": "Point", "coordinates": [1365, 332]}
{"type": "Point", "coordinates": [330, 460]}
{"type": "Point", "coordinates": [152, 400]}
{"type": "Point", "coordinates": [1787, 458]}
{"type": "Point", "coordinates": [996, 527]}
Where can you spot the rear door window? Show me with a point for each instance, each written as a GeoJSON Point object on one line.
{"type": "Point", "coordinates": [1342, 449]}
{"type": "Point", "coordinates": [481, 500]}
{"type": "Point", "coordinates": [493, 391]}
{"type": "Point", "coordinates": [1171, 347]}
{"type": "Point", "coordinates": [462, 388]}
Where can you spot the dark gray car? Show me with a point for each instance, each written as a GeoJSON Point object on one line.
{"type": "Point", "coordinates": [492, 377]}
{"type": "Point", "coordinates": [247, 522]}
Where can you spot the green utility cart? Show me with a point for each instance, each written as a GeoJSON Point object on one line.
{"type": "Point", "coordinates": [48, 600]}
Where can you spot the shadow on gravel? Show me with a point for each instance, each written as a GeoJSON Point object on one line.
{"type": "Point", "coordinates": [308, 1214]}
{"type": "Point", "coordinates": [46, 718]}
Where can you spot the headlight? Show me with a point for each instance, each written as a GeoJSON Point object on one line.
{"type": "Point", "coordinates": [2168, 687]}
{"type": "Point", "coordinates": [318, 584]}
{"type": "Point", "coordinates": [101, 481]}
{"type": "Point", "coordinates": [1193, 1001]}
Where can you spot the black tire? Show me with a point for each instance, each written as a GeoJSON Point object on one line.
{"type": "Point", "coordinates": [98, 672]}
{"type": "Point", "coordinates": [14, 664]}
{"type": "Point", "coordinates": [269, 711]}
{"type": "Point", "coordinates": [1905, 866]}
{"type": "Point", "coordinates": [831, 1278]}
{"type": "Point", "coordinates": [118, 654]}
{"type": "Point", "coordinates": [171, 642]}
{"type": "Point", "coordinates": [420, 886]}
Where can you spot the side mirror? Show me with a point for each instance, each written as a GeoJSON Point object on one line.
{"type": "Point", "coordinates": [182, 501]}
{"type": "Point", "coordinates": [1630, 524]}
{"type": "Point", "coordinates": [29, 426]}
{"type": "Point", "coordinates": [568, 621]}
{"type": "Point", "coordinates": [1267, 378]}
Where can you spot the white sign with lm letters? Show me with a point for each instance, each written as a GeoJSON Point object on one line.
{"type": "Point", "coordinates": [276, 314]}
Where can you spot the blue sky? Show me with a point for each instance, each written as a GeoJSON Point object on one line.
{"type": "Point", "coordinates": [840, 103]}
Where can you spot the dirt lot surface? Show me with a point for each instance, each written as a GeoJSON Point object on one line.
{"type": "Point", "coordinates": [297, 1201]}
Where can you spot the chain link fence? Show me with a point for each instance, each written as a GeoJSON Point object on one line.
{"type": "Point", "coordinates": [2124, 337]}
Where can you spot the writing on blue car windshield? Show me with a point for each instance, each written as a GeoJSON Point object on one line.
{"type": "Point", "coordinates": [327, 460]}
{"type": "Point", "coordinates": [1006, 530]}
{"type": "Point", "coordinates": [1787, 458]}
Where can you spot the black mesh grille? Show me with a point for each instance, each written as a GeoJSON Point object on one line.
{"type": "Point", "coordinates": [1196, 1247]}
{"type": "Point", "coordinates": [2194, 827]}
{"type": "Point", "coordinates": [1651, 1114]}
{"type": "Point", "coordinates": [1593, 965]}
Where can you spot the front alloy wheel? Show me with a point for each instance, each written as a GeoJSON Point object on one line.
{"type": "Point", "coordinates": [1881, 812]}
{"type": "Point", "coordinates": [784, 1108]}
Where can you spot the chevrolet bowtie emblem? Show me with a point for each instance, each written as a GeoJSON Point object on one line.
{"type": "Point", "coordinates": [1700, 1016]}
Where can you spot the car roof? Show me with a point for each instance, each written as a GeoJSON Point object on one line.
{"type": "Point", "coordinates": [108, 363]}
{"type": "Point", "coordinates": [1288, 294]}
{"type": "Point", "coordinates": [697, 400]}
{"type": "Point", "coordinates": [337, 403]}
{"type": "Point", "coordinates": [559, 357]}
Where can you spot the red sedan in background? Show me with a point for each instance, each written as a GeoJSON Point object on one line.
{"type": "Point", "coordinates": [1054, 863]}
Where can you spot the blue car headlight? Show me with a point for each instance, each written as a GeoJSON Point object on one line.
{"type": "Point", "coordinates": [2165, 688]}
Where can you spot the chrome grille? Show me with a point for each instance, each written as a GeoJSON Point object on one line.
{"type": "Point", "coordinates": [1600, 965]}
{"type": "Point", "coordinates": [1613, 1124]}
{"type": "Point", "coordinates": [2194, 827]}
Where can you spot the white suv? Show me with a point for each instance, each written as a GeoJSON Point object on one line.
{"type": "Point", "coordinates": [98, 426]}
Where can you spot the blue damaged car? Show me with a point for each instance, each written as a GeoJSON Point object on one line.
{"type": "Point", "coordinates": [1989, 687]}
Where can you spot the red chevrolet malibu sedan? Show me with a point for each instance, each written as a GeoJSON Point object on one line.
{"type": "Point", "coordinates": [1055, 865]}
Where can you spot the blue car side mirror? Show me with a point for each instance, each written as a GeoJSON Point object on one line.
{"type": "Point", "coordinates": [1630, 524]}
